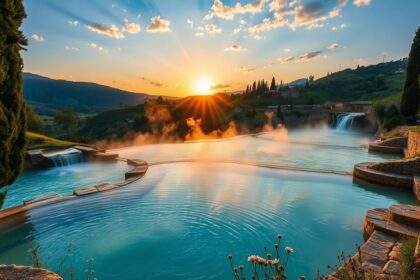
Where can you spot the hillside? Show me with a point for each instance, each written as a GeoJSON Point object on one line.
{"type": "Point", "coordinates": [47, 95]}
{"type": "Point", "coordinates": [380, 82]}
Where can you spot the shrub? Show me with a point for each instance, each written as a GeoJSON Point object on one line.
{"type": "Point", "coordinates": [409, 264]}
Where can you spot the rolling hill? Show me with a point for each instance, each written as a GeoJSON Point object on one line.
{"type": "Point", "coordinates": [380, 82]}
{"type": "Point", "coordinates": [46, 96]}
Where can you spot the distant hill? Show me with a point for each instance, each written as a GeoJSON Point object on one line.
{"type": "Point", "coordinates": [299, 82]}
{"type": "Point", "coordinates": [46, 96]}
{"type": "Point", "coordinates": [380, 82]}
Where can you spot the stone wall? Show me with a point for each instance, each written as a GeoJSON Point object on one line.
{"type": "Point", "coordinates": [400, 142]}
{"type": "Point", "coordinates": [404, 167]}
{"type": "Point", "coordinates": [413, 145]}
{"type": "Point", "coordinates": [416, 188]}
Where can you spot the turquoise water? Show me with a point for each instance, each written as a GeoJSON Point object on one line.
{"type": "Point", "coordinates": [311, 148]}
{"type": "Point", "coordinates": [62, 180]}
{"type": "Point", "coordinates": [182, 219]}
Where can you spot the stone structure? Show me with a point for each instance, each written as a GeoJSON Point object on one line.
{"type": "Point", "coordinates": [413, 145]}
{"type": "Point", "coordinates": [13, 272]}
{"type": "Point", "coordinates": [385, 228]}
{"type": "Point", "coordinates": [404, 167]}
{"type": "Point", "coordinates": [365, 172]}
{"type": "Point", "coordinates": [395, 145]}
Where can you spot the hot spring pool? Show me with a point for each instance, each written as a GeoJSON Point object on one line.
{"type": "Point", "coordinates": [62, 180]}
{"type": "Point", "coordinates": [310, 148]}
{"type": "Point", "coordinates": [181, 220]}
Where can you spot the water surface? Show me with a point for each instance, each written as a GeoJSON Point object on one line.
{"type": "Point", "coordinates": [181, 220]}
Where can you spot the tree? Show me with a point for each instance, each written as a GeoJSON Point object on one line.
{"type": "Point", "coordinates": [273, 84]}
{"type": "Point", "coordinates": [34, 122]}
{"type": "Point", "coordinates": [67, 119]}
{"type": "Point", "coordinates": [12, 105]}
{"type": "Point", "coordinates": [254, 88]}
{"type": "Point", "coordinates": [411, 94]}
{"type": "Point", "coordinates": [307, 83]}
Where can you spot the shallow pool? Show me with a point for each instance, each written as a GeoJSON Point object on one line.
{"type": "Point", "coordinates": [311, 148]}
{"type": "Point", "coordinates": [181, 220]}
{"type": "Point", "coordinates": [62, 180]}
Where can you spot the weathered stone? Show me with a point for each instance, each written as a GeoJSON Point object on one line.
{"type": "Point", "coordinates": [394, 255]}
{"type": "Point", "coordinates": [383, 239]}
{"type": "Point", "coordinates": [105, 187]}
{"type": "Point", "coordinates": [368, 172]}
{"type": "Point", "coordinates": [105, 157]}
{"type": "Point", "coordinates": [85, 191]}
{"type": "Point", "coordinates": [401, 230]}
{"type": "Point", "coordinates": [13, 272]}
{"type": "Point", "coordinates": [404, 213]}
{"type": "Point", "coordinates": [136, 162]}
{"type": "Point", "coordinates": [392, 267]}
{"type": "Point", "coordinates": [375, 249]}
{"type": "Point", "coordinates": [41, 199]}
{"type": "Point", "coordinates": [136, 172]}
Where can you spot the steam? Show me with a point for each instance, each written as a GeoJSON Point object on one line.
{"type": "Point", "coordinates": [196, 131]}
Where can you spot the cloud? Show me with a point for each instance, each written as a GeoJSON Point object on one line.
{"type": "Point", "coordinates": [297, 14]}
{"type": "Point", "coordinates": [245, 69]}
{"type": "Point", "coordinates": [286, 59]}
{"type": "Point", "coordinates": [109, 31]}
{"type": "Point", "coordinates": [333, 47]}
{"type": "Point", "coordinates": [37, 38]}
{"type": "Point", "coordinates": [73, 22]}
{"type": "Point", "coordinates": [131, 27]}
{"type": "Point", "coordinates": [360, 3]}
{"type": "Point", "coordinates": [226, 12]}
{"type": "Point", "coordinates": [152, 82]}
{"type": "Point", "coordinates": [235, 48]}
{"type": "Point", "coordinates": [286, 50]}
{"type": "Point", "coordinates": [342, 26]}
{"type": "Point", "coordinates": [219, 87]}
{"type": "Point", "coordinates": [96, 47]}
{"type": "Point", "coordinates": [308, 56]}
{"type": "Point", "coordinates": [190, 23]}
{"type": "Point", "coordinates": [237, 30]}
{"type": "Point", "coordinates": [208, 28]}
{"type": "Point", "coordinates": [72, 49]}
{"type": "Point", "coordinates": [159, 25]}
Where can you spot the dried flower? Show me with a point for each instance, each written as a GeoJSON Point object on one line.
{"type": "Point", "coordinates": [418, 261]}
{"type": "Point", "coordinates": [252, 258]}
{"type": "Point", "coordinates": [229, 257]}
{"type": "Point", "coordinates": [289, 249]}
{"type": "Point", "coordinates": [279, 236]}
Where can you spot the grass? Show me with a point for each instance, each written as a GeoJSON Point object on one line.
{"type": "Point", "coordinates": [409, 270]}
{"type": "Point", "coordinates": [39, 141]}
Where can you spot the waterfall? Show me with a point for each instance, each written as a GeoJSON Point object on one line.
{"type": "Point", "coordinates": [345, 121]}
{"type": "Point", "coordinates": [65, 157]}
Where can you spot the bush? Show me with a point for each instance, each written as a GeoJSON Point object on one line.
{"type": "Point", "coordinates": [34, 122]}
{"type": "Point", "coordinates": [392, 118]}
{"type": "Point", "coordinates": [409, 269]}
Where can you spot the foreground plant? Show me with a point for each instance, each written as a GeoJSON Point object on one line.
{"type": "Point", "coordinates": [409, 262]}
{"type": "Point", "coordinates": [268, 267]}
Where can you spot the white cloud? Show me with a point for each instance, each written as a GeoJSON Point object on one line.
{"type": "Point", "coordinates": [131, 27]}
{"type": "Point", "coordinates": [74, 49]}
{"type": "Point", "coordinates": [360, 3]}
{"type": "Point", "coordinates": [286, 50]}
{"type": "Point", "coordinates": [159, 25]}
{"type": "Point", "coordinates": [360, 61]}
{"type": "Point", "coordinates": [333, 47]}
{"type": "Point", "coordinates": [341, 26]}
{"type": "Point", "coordinates": [237, 30]}
{"type": "Point", "coordinates": [245, 69]}
{"type": "Point", "coordinates": [226, 12]}
{"type": "Point", "coordinates": [308, 56]}
{"type": "Point", "coordinates": [190, 23]}
{"type": "Point", "coordinates": [209, 29]}
{"type": "Point", "coordinates": [73, 22]}
{"type": "Point", "coordinates": [37, 38]}
{"type": "Point", "coordinates": [93, 45]}
{"type": "Point", "coordinates": [235, 48]}
{"type": "Point", "coordinates": [286, 59]}
{"type": "Point", "coordinates": [96, 47]}
{"type": "Point", "coordinates": [109, 31]}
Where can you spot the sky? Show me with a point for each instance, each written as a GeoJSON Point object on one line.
{"type": "Point", "coordinates": [187, 47]}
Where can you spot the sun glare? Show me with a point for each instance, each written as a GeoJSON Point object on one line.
{"type": "Point", "coordinates": [203, 87]}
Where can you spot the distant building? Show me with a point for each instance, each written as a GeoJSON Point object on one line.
{"type": "Point", "coordinates": [355, 106]}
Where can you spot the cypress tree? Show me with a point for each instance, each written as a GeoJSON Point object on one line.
{"type": "Point", "coordinates": [254, 88]}
{"type": "Point", "coordinates": [12, 105]}
{"type": "Point", "coordinates": [273, 84]}
{"type": "Point", "coordinates": [411, 94]}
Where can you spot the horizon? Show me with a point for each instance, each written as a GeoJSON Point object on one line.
{"type": "Point", "coordinates": [203, 47]}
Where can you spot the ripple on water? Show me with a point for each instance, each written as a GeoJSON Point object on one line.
{"type": "Point", "coordinates": [181, 220]}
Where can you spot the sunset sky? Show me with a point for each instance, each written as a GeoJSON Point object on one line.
{"type": "Point", "coordinates": [184, 47]}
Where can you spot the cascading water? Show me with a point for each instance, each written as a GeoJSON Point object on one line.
{"type": "Point", "coordinates": [345, 121]}
{"type": "Point", "coordinates": [65, 157]}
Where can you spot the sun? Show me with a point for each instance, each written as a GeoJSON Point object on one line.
{"type": "Point", "coordinates": [203, 87]}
